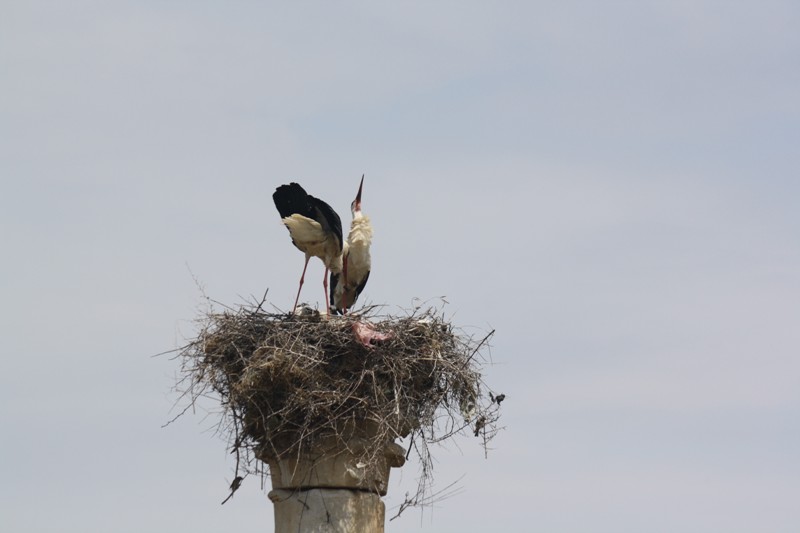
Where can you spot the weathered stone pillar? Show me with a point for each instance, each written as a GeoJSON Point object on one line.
{"type": "Point", "coordinates": [327, 511]}
{"type": "Point", "coordinates": [330, 489]}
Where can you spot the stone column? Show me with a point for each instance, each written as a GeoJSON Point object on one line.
{"type": "Point", "coordinates": [329, 489]}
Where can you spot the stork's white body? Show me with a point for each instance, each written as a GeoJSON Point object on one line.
{"type": "Point", "coordinates": [358, 241]}
{"type": "Point", "coordinates": [358, 261]}
{"type": "Point", "coordinates": [312, 239]}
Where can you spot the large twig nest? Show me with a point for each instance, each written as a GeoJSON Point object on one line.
{"type": "Point", "coordinates": [289, 382]}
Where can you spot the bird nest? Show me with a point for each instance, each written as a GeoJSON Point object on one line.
{"type": "Point", "coordinates": [288, 382]}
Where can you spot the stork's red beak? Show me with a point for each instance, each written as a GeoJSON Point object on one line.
{"type": "Point", "coordinates": [358, 196]}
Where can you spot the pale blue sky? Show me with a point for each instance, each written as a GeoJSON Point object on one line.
{"type": "Point", "coordinates": [612, 186]}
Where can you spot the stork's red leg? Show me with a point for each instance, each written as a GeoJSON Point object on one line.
{"type": "Point", "coordinates": [344, 285]}
{"type": "Point", "coordinates": [302, 279]}
{"type": "Point", "coordinates": [325, 284]}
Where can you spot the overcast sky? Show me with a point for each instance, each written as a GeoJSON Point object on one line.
{"type": "Point", "coordinates": [612, 186]}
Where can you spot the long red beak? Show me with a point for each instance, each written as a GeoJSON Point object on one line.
{"type": "Point", "coordinates": [358, 196]}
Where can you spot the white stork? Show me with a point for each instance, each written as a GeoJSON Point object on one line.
{"type": "Point", "coordinates": [346, 287]}
{"type": "Point", "coordinates": [315, 228]}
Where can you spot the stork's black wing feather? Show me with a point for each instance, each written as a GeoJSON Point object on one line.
{"type": "Point", "coordinates": [292, 199]}
{"type": "Point", "coordinates": [360, 287]}
{"type": "Point", "coordinates": [335, 279]}
{"type": "Point", "coordinates": [327, 217]}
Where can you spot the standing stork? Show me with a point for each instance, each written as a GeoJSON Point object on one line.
{"type": "Point", "coordinates": [315, 228]}
{"type": "Point", "coordinates": [346, 287]}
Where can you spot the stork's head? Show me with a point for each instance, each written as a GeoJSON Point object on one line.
{"type": "Point", "coordinates": [355, 207]}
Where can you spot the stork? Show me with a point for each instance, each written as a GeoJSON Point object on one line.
{"type": "Point", "coordinates": [346, 287]}
{"type": "Point", "coordinates": [315, 228]}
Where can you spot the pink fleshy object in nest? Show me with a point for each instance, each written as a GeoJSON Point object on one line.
{"type": "Point", "coordinates": [367, 335]}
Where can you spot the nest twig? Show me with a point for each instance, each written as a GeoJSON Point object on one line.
{"type": "Point", "coordinates": [287, 381]}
